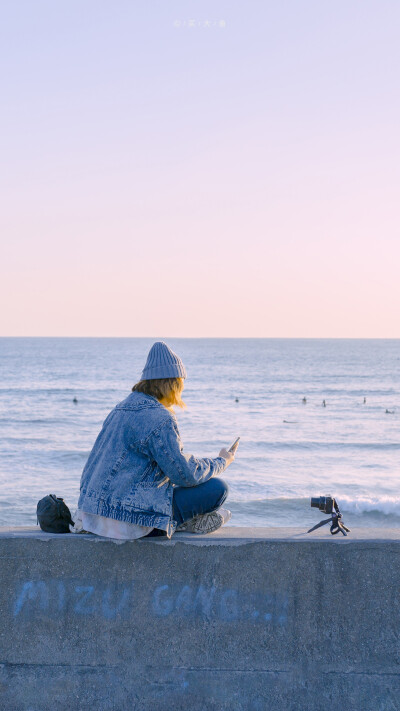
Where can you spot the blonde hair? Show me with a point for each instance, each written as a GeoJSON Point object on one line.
{"type": "Point", "coordinates": [167, 389]}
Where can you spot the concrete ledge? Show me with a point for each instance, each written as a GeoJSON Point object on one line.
{"type": "Point", "coordinates": [252, 619]}
{"type": "Point", "coordinates": [229, 535]}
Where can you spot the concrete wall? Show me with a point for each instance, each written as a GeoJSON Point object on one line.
{"type": "Point", "coordinates": [241, 619]}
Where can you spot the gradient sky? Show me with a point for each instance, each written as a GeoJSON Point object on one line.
{"type": "Point", "coordinates": [234, 179]}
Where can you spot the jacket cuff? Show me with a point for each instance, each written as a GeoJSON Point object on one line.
{"type": "Point", "coordinates": [223, 462]}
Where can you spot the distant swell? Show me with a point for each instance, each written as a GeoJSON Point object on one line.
{"type": "Point", "coordinates": [393, 446]}
{"type": "Point", "coordinates": [384, 505]}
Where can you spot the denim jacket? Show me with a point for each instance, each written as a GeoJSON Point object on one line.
{"type": "Point", "coordinates": [136, 461]}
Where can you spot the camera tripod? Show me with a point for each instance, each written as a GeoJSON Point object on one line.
{"type": "Point", "coordinates": [335, 520]}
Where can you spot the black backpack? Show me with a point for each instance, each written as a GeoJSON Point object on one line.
{"type": "Point", "coordinates": [53, 515]}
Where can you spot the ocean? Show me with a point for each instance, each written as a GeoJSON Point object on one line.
{"type": "Point", "coordinates": [56, 392]}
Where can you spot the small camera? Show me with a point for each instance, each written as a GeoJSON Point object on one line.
{"type": "Point", "coordinates": [326, 504]}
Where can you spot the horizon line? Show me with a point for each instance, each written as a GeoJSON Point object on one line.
{"type": "Point", "coordinates": [221, 338]}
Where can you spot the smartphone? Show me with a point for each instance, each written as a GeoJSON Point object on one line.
{"type": "Point", "coordinates": [232, 447]}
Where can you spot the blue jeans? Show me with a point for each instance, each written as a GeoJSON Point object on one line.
{"type": "Point", "coordinates": [190, 501]}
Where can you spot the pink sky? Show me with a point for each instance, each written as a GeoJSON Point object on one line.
{"type": "Point", "coordinates": [234, 179]}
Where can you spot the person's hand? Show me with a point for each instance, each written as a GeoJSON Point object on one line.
{"type": "Point", "coordinates": [226, 454]}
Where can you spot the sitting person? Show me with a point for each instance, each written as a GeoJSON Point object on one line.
{"type": "Point", "coordinates": [137, 480]}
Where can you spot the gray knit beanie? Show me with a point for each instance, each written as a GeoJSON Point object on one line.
{"type": "Point", "coordinates": [162, 363]}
